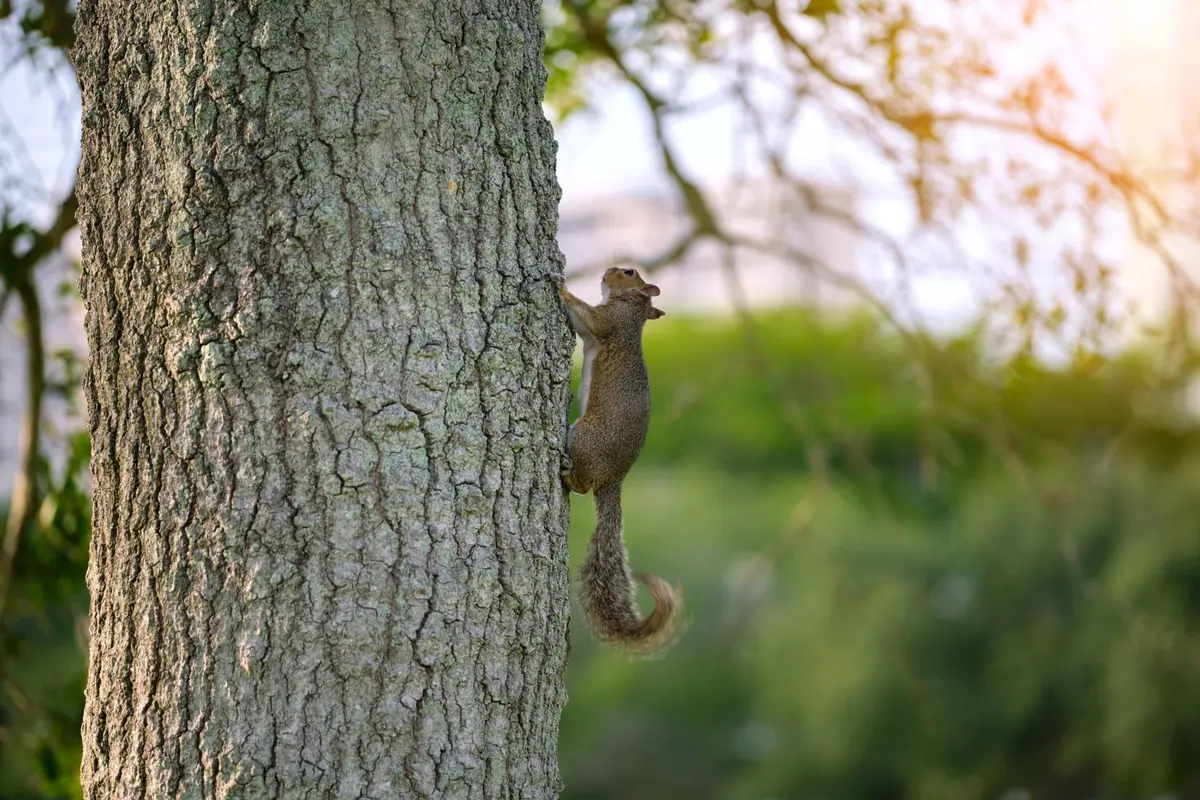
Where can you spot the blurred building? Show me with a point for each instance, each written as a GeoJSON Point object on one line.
{"type": "Point", "coordinates": [595, 231]}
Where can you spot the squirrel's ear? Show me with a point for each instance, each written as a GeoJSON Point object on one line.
{"type": "Point", "coordinates": [650, 290]}
{"type": "Point", "coordinates": [655, 313]}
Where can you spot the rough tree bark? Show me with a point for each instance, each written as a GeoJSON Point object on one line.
{"type": "Point", "coordinates": [328, 392]}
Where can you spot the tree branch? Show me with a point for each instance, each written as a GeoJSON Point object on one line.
{"type": "Point", "coordinates": [23, 502]}
{"type": "Point", "coordinates": [19, 278]}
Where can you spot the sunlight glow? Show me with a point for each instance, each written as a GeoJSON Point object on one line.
{"type": "Point", "coordinates": [1148, 68]}
{"type": "Point", "coordinates": [1152, 67]}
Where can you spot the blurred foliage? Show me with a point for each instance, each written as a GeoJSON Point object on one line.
{"type": "Point", "coordinates": [859, 391]}
{"type": "Point", "coordinates": [980, 637]}
{"type": "Point", "coordinates": [46, 23]}
{"type": "Point", "coordinates": [43, 639]}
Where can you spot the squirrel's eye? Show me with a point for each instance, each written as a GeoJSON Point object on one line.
{"type": "Point", "coordinates": [629, 272]}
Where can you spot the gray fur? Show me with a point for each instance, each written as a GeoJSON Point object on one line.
{"type": "Point", "coordinates": [603, 445]}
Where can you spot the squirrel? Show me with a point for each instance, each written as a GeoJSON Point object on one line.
{"type": "Point", "coordinates": [602, 445]}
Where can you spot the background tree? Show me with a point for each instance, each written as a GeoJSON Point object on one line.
{"type": "Point", "coordinates": [327, 392]}
{"type": "Point", "coordinates": [43, 599]}
{"type": "Point", "coordinates": [1004, 158]}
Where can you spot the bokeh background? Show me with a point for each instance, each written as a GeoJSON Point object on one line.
{"type": "Point", "coordinates": [924, 450]}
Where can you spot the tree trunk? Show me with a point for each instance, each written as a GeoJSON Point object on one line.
{"type": "Point", "coordinates": [328, 392]}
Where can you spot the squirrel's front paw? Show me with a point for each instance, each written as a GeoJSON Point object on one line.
{"type": "Point", "coordinates": [565, 471]}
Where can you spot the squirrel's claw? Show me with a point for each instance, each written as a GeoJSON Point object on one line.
{"type": "Point", "coordinates": [568, 483]}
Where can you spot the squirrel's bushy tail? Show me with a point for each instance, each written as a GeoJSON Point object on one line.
{"type": "Point", "coordinates": [608, 594]}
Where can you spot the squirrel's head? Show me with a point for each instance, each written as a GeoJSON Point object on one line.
{"type": "Point", "coordinates": [627, 282]}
